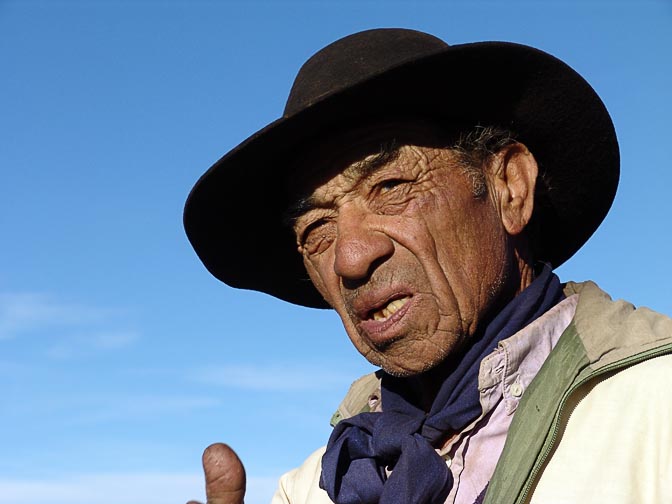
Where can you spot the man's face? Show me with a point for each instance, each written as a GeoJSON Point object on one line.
{"type": "Point", "coordinates": [401, 248]}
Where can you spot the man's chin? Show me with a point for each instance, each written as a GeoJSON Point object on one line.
{"type": "Point", "coordinates": [407, 370]}
{"type": "Point", "coordinates": [401, 373]}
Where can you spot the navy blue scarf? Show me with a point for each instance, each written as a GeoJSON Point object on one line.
{"type": "Point", "coordinates": [403, 436]}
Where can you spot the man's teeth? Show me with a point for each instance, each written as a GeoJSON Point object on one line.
{"type": "Point", "coordinates": [391, 308]}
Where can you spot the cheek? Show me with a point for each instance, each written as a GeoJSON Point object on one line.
{"type": "Point", "coordinates": [317, 277]}
{"type": "Point", "coordinates": [459, 243]}
{"type": "Point", "coordinates": [324, 279]}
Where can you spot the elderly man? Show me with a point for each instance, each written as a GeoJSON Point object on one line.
{"type": "Point", "coordinates": [430, 190]}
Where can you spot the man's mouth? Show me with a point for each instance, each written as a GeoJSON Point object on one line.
{"type": "Point", "coordinates": [389, 309]}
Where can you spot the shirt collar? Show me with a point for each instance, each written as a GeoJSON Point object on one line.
{"type": "Point", "coordinates": [508, 371]}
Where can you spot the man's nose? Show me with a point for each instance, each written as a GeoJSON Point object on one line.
{"type": "Point", "coordinates": [359, 247]}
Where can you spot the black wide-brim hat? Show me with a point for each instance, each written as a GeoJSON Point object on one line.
{"type": "Point", "coordinates": [234, 214]}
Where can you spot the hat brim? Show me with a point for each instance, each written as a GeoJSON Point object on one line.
{"type": "Point", "coordinates": [234, 214]}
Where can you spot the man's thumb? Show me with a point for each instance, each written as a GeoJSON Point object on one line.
{"type": "Point", "coordinates": [224, 475]}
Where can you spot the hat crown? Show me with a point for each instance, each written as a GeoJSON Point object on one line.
{"type": "Point", "coordinates": [357, 58]}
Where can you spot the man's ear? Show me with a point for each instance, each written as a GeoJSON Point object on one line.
{"type": "Point", "coordinates": [514, 175]}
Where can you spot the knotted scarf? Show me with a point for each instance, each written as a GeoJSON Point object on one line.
{"type": "Point", "coordinates": [403, 436]}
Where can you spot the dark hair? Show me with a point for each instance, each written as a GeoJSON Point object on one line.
{"type": "Point", "coordinates": [475, 148]}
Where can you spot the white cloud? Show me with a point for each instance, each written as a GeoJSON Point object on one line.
{"type": "Point", "coordinates": [112, 340]}
{"type": "Point", "coordinates": [125, 408]}
{"type": "Point", "coordinates": [272, 377]}
{"type": "Point", "coordinates": [72, 329]}
{"type": "Point", "coordinates": [26, 312]}
{"type": "Point", "coordinates": [76, 345]}
{"type": "Point", "coordinates": [140, 488]}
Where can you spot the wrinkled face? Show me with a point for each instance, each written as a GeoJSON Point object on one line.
{"type": "Point", "coordinates": [401, 248]}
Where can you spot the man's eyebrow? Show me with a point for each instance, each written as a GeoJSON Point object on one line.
{"type": "Point", "coordinates": [299, 207]}
{"type": "Point", "coordinates": [389, 152]}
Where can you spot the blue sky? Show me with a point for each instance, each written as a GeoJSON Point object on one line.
{"type": "Point", "coordinates": [120, 357]}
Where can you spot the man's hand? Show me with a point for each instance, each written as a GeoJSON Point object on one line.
{"type": "Point", "coordinates": [224, 475]}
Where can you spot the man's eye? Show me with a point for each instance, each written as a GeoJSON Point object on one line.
{"type": "Point", "coordinates": [387, 185]}
{"type": "Point", "coordinates": [317, 236]}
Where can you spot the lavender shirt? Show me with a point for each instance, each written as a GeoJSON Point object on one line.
{"type": "Point", "coordinates": [503, 378]}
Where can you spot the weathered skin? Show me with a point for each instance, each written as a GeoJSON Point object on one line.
{"type": "Point", "coordinates": [407, 228]}
{"type": "Point", "coordinates": [413, 229]}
